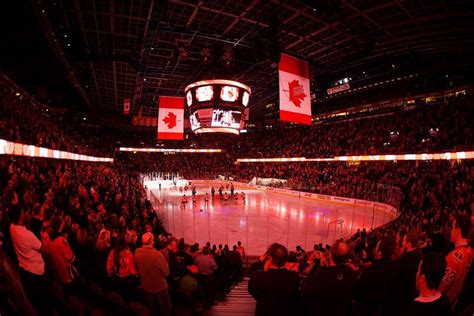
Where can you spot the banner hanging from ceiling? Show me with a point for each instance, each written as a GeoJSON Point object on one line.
{"type": "Point", "coordinates": [295, 97]}
{"type": "Point", "coordinates": [126, 106]}
{"type": "Point", "coordinates": [171, 118]}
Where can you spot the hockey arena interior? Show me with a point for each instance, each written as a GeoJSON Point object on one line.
{"type": "Point", "coordinates": [224, 157]}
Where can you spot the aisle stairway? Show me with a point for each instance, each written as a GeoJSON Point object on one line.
{"type": "Point", "coordinates": [237, 302]}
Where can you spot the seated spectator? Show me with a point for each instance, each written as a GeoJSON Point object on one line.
{"type": "Point", "coordinates": [430, 301]}
{"type": "Point", "coordinates": [276, 290]}
{"type": "Point", "coordinates": [330, 289]}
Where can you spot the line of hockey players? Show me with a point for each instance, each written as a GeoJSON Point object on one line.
{"type": "Point", "coordinates": [222, 194]}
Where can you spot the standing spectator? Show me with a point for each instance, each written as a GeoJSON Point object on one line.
{"type": "Point", "coordinates": [276, 290]}
{"type": "Point", "coordinates": [459, 260]}
{"type": "Point", "coordinates": [235, 264]}
{"type": "Point", "coordinates": [373, 291]}
{"type": "Point", "coordinates": [36, 221]}
{"type": "Point", "coordinates": [406, 268]}
{"type": "Point", "coordinates": [430, 301]}
{"type": "Point", "coordinates": [153, 270]}
{"type": "Point", "coordinates": [206, 267]}
{"type": "Point", "coordinates": [331, 289]}
{"type": "Point", "coordinates": [62, 255]}
{"type": "Point", "coordinates": [28, 251]}
{"type": "Point", "coordinates": [169, 252]}
{"type": "Point", "coordinates": [241, 250]}
{"type": "Point", "coordinates": [121, 267]}
{"type": "Point", "coordinates": [205, 262]}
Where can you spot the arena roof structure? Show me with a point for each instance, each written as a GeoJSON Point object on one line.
{"type": "Point", "coordinates": [146, 48]}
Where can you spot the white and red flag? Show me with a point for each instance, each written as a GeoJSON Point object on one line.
{"type": "Point", "coordinates": [295, 97]}
{"type": "Point", "coordinates": [171, 118]}
{"type": "Point", "coordinates": [126, 106]}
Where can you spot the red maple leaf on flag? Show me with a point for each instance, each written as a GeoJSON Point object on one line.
{"type": "Point", "coordinates": [170, 120]}
{"type": "Point", "coordinates": [296, 92]}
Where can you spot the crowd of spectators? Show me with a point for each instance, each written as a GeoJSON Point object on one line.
{"type": "Point", "coordinates": [80, 236]}
{"type": "Point", "coordinates": [77, 229]}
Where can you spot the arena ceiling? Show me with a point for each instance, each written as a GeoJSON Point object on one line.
{"type": "Point", "coordinates": [130, 48]}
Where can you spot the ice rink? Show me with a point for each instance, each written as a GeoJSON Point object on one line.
{"type": "Point", "coordinates": [263, 218]}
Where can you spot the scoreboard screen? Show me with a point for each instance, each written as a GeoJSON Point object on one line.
{"type": "Point", "coordinates": [217, 106]}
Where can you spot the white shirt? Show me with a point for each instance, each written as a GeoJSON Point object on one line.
{"type": "Point", "coordinates": [27, 248]}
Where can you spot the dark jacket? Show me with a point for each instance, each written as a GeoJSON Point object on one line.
{"type": "Point", "coordinates": [276, 292]}
{"type": "Point", "coordinates": [374, 289]}
{"type": "Point", "coordinates": [330, 291]}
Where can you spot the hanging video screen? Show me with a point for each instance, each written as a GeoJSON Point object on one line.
{"type": "Point", "coordinates": [225, 118]}
{"type": "Point", "coordinates": [217, 106]}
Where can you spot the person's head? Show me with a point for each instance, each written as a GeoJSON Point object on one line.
{"type": "Point", "coordinates": [148, 239]}
{"type": "Point", "coordinates": [206, 251]}
{"type": "Point", "coordinates": [410, 240]}
{"type": "Point", "coordinates": [16, 215]}
{"type": "Point", "coordinates": [57, 224]}
{"type": "Point", "coordinates": [386, 247]}
{"type": "Point", "coordinates": [239, 243]}
{"type": "Point", "coordinates": [82, 237]}
{"type": "Point", "coordinates": [121, 242]}
{"type": "Point", "coordinates": [234, 248]}
{"type": "Point", "coordinates": [279, 255]}
{"type": "Point", "coordinates": [36, 211]}
{"type": "Point", "coordinates": [430, 271]}
{"type": "Point", "coordinates": [172, 244]}
{"type": "Point", "coordinates": [461, 228]}
{"type": "Point", "coordinates": [181, 246]}
{"type": "Point", "coordinates": [220, 246]}
{"type": "Point", "coordinates": [120, 245]}
{"type": "Point", "coordinates": [339, 252]}
{"type": "Point", "coordinates": [292, 257]}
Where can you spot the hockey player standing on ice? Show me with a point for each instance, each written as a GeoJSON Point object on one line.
{"type": "Point", "coordinates": [206, 200]}
{"type": "Point", "coordinates": [231, 189]}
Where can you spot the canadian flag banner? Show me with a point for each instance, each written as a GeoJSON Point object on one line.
{"type": "Point", "coordinates": [171, 118]}
{"type": "Point", "coordinates": [126, 106]}
{"type": "Point", "coordinates": [295, 97]}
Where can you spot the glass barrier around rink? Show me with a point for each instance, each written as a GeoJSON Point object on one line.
{"type": "Point", "coordinates": [289, 227]}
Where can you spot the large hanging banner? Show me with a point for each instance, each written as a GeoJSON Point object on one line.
{"type": "Point", "coordinates": [295, 97]}
{"type": "Point", "coordinates": [171, 118]}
